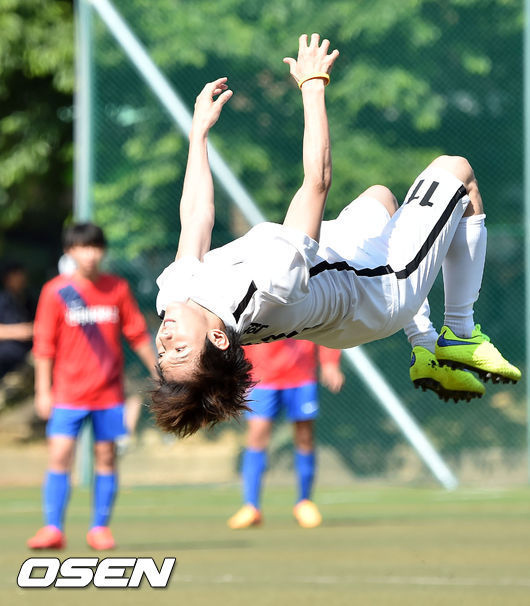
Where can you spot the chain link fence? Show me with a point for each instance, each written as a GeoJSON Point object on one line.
{"type": "Point", "coordinates": [415, 79]}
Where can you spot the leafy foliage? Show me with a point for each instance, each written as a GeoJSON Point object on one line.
{"type": "Point", "coordinates": [416, 78]}
{"type": "Point", "coordinates": [36, 84]}
{"type": "Point", "coordinates": [413, 80]}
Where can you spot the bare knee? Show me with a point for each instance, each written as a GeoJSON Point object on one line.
{"type": "Point", "coordinates": [303, 436]}
{"type": "Point", "coordinates": [259, 433]}
{"type": "Point", "coordinates": [105, 456]}
{"type": "Point", "coordinates": [60, 454]}
{"type": "Point", "coordinates": [461, 169]}
{"type": "Point", "coordinates": [383, 195]}
{"type": "Point", "coordinates": [458, 166]}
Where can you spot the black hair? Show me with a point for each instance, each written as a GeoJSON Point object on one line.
{"type": "Point", "coordinates": [10, 267]}
{"type": "Point", "coordinates": [83, 234]}
{"type": "Point", "coordinates": [217, 391]}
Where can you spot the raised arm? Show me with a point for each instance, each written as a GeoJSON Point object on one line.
{"type": "Point", "coordinates": [309, 70]}
{"type": "Point", "coordinates": [197, 211]}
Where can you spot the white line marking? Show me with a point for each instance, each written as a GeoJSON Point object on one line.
{"type": "Point", "coordinates": [357, 580]}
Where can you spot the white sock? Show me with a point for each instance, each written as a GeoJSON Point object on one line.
{"type": "Point", "coordinates": [462, 269]}
{"type": "Point", "coordinates": [420, 330]}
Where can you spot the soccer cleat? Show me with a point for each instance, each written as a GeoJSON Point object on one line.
{"type": "Point", "coordinates": [307, 514]}
{"type": "Point", "coordinates": [246, 517]}
{"type": "Point", "coordinates": [446, 382]}
{"type": "Point", "coordinates": [476, 353]}
{"type": "Point", "coordinates": [100, 538]}
{"type": "Point", "coordinates": [47, 537]}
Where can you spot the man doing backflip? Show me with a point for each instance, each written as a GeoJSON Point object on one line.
{"type": "Point", "coordinates": [340, 283]}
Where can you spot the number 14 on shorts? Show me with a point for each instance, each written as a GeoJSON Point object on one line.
{"type": "Point", "coordinates": [416, 194]}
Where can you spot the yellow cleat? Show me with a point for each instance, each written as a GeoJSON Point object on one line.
{"type": "Point", "coordinates": [446, 382]}
{"type": "Point", "coordinates": [307, 514]}
{"type": "Point", "coordinates": [246, 517]}
{"type": "Point", "coordinates": [476, 353]}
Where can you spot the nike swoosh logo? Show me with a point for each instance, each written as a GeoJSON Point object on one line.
{"type": "Point", "coordinates": [443, 342]}
{"type": "Point", "coordinates": [413, 359]}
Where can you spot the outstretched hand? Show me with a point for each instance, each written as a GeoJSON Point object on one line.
{"type": "Point", "coordinates": [312, 58]}
{"type": "Point", "coordinates": [207, 107]}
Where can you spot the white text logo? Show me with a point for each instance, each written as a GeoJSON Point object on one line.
{"type": "Point", "coordinates": [81, 572]}
{"type": "Point", "coordinates": [96, 314]}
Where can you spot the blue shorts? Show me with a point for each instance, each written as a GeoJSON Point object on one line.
{"type": "Point", "coordinates": [108, 424]}
{"type": "Point", "coordinates": [299, 403]}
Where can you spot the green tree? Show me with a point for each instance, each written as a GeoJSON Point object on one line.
{"type": "Point", "coordinates": [36, 84]}
{"type": "Point", "coordinates": [415, 79]}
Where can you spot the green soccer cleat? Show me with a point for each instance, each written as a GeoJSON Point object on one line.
{"type": "Point", "coordinates": [446, 382]}
{"type": "Point", "coordinates": [476, 353]}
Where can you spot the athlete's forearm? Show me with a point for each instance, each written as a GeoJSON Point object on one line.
{"type": "Point", "coordinates": [310, 70]}
{"type": "Point", "coordinates": [316, 146]}
{"type": "Point", "coordinates": [43, 387]}
{"type": "Point", "coordinates": [146, 353]}
{"type": "Point", "coordinates": [198, 192]}
{"type": "Point", "coordinates": [22, 331]}
{"type": "Point", "coordinates": [197, 210]}
{"type": "Point", "coordinates": [307, 207]}
{"type": "Point", "coordinates": [43, 375]}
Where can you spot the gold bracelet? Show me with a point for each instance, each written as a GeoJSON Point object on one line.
{"type": "Point", "coordinates": [321, 76]}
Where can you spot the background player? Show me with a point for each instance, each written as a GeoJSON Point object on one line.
{"type": "Point", "coordinates": [79, 375]}
{"type": "Point", "coordinates": [286, 376]}
{"type": "Point", "coordinates": [16, 317]}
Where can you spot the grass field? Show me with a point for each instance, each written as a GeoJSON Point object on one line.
{"type": "Point", "coordinates": [378, 546]}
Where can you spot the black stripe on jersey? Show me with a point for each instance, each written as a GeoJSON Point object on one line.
{"type": "Point", "coordinates": [387, 269]}
{"type": "Point", "coordinates": [343, 266]}
{"type": "Point", "coordinates": [245, 301]}
{"type": "Point", "coordinates": [278, 337]}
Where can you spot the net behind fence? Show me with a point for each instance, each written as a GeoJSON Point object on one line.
{"type": "Point", "coordinates": [414, 80]}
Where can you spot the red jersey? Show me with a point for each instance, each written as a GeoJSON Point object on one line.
{"type": "Point", "coordinates": [289, 363]}
{"type": "Point", "coordinates": [79, 324]}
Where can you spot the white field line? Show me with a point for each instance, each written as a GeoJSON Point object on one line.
{"type": "Point", "coordinates": [358, 580]}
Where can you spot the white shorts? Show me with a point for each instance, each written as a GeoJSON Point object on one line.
{"type": "Point", "coordinates": [405, 251]}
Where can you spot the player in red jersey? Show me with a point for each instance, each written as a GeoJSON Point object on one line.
{"type": "Point", "coordinates": [286, 376]}
{"type": "Point", "coordinates": [79, 375]}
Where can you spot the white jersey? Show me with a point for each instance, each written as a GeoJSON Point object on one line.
{"type": "Point", "coordinates": [364, 281]}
